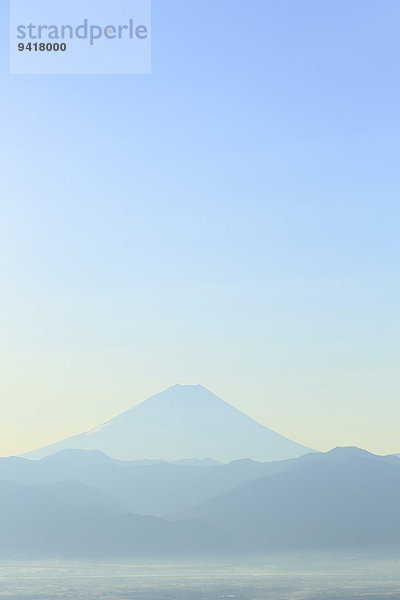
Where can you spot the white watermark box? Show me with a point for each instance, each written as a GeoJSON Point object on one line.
{"type": "Point", "coordinates": [80, 36]}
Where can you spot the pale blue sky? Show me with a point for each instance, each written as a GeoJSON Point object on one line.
{"type": "Point", "coordinates": [230, 220]}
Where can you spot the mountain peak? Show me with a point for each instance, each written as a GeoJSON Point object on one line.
{"type": "Point", "coordinates": [181, 388]}
{"type": "Point", "coordinates": [350, 452]}
{"type": "Point", "coordinates": [180, 397]}
{"type": "Point", "coordinates": [182, 422]}
{"type": "Point", "coordinates": [187, 386]}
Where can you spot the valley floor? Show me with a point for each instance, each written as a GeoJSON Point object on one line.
{"type": "Point", "coordinates": [296, 577]}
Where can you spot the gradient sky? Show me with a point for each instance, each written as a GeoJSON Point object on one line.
{"type": "Point", "coordinates": [231, 220]}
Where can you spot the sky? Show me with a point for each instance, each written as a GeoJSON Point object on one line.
{"type": "Point", "coordinates": [230, 220]}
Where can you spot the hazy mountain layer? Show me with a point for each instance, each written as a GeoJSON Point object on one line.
{"type": "Point", "coordinates": [144, 487]}
{"type": "Point", "coordinates": [71, 521]}
{"type": "Point", "coordinates": [345, 498]}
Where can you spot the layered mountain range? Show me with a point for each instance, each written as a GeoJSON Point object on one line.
{"type": "Point", "coordinates": [80, 503]}
{"type": "Point", "coordinates": [188, 499]}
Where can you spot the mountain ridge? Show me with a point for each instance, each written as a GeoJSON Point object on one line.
{"type": "Point", "coordinates": [343, 498]}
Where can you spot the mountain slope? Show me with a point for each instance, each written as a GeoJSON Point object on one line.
{"type": "Point", "coordinates": [339, 499]}
{"type": "Point", "coordinates": [183, 422]}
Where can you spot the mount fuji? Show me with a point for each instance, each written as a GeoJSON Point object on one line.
{"type": "Point", "coordinates": [183, 422]}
